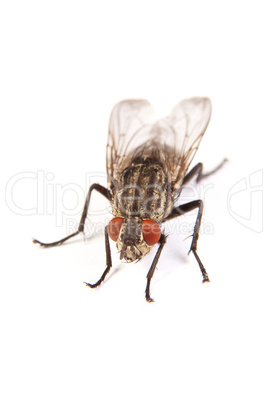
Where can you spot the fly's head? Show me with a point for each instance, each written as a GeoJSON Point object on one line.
{"type": "Point", "coordinates": [134, 237]}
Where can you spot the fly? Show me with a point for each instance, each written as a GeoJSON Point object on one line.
{"type": "Point", "coordinates": [147, 168]}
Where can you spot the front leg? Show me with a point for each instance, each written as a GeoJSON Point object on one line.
{"type": "Point", "coordinates": [183, 209]}
{"type": "Point", "coordinates": [162, 242]}
{"type": "Point", "coordinates": [108, 262]}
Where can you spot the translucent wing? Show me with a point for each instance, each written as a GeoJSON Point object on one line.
{"type": "Point", "coordinates": [128, 118]}
{"type": "Point", "coordinates": [187, 125]}
{"type": "Point", "coordinates": [173, 140]}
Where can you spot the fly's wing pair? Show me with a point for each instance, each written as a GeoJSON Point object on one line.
{"type": "Point", "coordinates": [174, 140]}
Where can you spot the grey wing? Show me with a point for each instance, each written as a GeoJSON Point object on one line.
{"type": "Point", "coordinates": [180, 133]}
{"type": "Point", "coordinates": [128, 120]}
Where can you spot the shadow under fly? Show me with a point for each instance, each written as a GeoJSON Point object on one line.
{"type": "Point", "coordinates": [147, 168]}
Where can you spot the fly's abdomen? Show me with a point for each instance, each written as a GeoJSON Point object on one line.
{"type": "Point", "coordinates": [142, 191]}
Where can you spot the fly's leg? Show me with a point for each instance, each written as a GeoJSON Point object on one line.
{"type": "Point", "coordinates": [162, 242]}
{"type": "Point", "coordinates": [198, 172]}
{"type": "Point", "coordinates": [183, 209]}
{"type": "Point", "coordinates": [108, 262]}
{"type": "Point", "coordinates": [102, 190]}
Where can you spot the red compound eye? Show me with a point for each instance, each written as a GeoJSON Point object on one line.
{"type": "Point", "coordinates": [114, 227]}
{"type": "Point", "coordinates": [151, 232]}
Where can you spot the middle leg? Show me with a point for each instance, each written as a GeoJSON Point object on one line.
{"type": "Point", "coordinates": [103, 191]}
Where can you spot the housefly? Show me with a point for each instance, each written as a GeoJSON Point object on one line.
{"type": "Point", "coordinates": [147, 168]}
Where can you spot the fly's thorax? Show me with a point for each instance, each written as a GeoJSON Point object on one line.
{"type": "Point", "coordinates": [134, 237]}
{"type": "Point", "coordinates": [143, 191]}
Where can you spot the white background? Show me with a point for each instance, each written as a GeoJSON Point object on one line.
{"type": "Point", "coordinates": [64, 65]}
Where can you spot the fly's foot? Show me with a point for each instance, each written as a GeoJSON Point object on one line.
{"type": "Point", "coordinates": [148, 298]}
{"type": "Point", "coordinates": [201, 266]}
{"type": "Point", "coordinates": [56, 243]}
{"type": "Point", "coordinates": [205, 279]}
{"type": "Point", "coordinates": [92, 286]}
{"type": "Point", "coordinates": [45, 244]}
